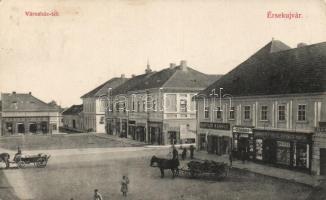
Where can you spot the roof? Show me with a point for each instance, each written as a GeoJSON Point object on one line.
{"type": "Point", "coordinates": [271, 72]}
{"type": "Point", "coordinates": [102, 90]}
{"type": "Point", "coordinates": [176, 77]}
{"type": "Point", "coordinates": [24, 102]}
{"type": "Point", "coordinates": [73, 110]}
{"type": "Point", "coordinates": [128, 85]}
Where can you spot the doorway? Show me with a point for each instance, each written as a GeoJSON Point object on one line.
{"type": "Point", "coordinates": [322, 161]}
{"type": "Point", "coordinates": [21, 128]}
{"type": "Point", "coordinates": [32, 128]}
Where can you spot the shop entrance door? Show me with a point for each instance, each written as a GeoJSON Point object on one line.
{"type": "Point", "coordinates": [323, 161]}
{"type": "Point", "coordinates": [269, 151]}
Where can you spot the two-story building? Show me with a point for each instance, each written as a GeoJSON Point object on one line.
{"type": "Point", "coordinates": [156, 107]}
{"type": "Point", "coordinates": [25, 114]}
{"type": "Point", "coordinates": [95, 104]}
{"type": "Point", "coordinates": [267, 108]}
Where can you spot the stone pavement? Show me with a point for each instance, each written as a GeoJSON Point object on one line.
{"type": "Point", "coordinates": [266, 170]}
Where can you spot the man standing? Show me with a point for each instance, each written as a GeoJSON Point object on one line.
{"type": "Point", "coordinates": [191, 148]}
{"type": "Point", "coordinates": [97, 195]}
{"type": "Point", "coordinates": [175, 153]}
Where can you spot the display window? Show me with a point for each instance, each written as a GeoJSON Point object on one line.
{"type": "Point", "coordinates": [259, 149]}
{"type": "Point", "coordinates": [302, 155]}
{"type": "Point", "coordinates": [283, 154]}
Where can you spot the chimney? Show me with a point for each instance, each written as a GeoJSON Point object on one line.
{"type": "Point", "coordinates": [123, 76]}
{"type": "Point", "coordinates": [183, 65]}
{"type": "Point", "coordinates": [172, 65]}
{"type": "Point", "coordinates": [301, 44]}
{"type": "Point", "coordinates": [13, 92]}
{"type": "Point", "coordinates": [133, 75]}
{"type": "Point", "coordinates": [30, 93]}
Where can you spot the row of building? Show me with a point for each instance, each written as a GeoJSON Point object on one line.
{"type": "Point", "coordinates": [271, 108]}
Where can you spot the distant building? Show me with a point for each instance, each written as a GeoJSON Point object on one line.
{"type": "Point", "coordinates": [268, 107]}
{"type": "Point", "coordinates": [157, 107]}
{"type": "Point", "coordinates": [25, 114]}
{"type": "Point", "coordinates": [95, 103]}
{"type": "Point", "coordinates": [73, 118]}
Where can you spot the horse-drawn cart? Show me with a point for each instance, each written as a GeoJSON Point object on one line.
{"type": "Point", "coordinates": [39, 160]}
{"type": "Point", "coordinates": [205, 169]}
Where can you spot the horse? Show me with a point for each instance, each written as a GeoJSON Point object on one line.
{"type": "Point", "coordinates": [163, 164]}
{"type": "Point", "coordinates": [4, 157]}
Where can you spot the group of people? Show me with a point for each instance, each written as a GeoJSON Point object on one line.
{"type": "Point", "coordinates": [175, 153]}
{"type": "Point", "coordinates": [124, 189]}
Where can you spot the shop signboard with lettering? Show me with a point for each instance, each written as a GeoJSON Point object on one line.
{"type": "Point", "coordinates": [217, 126]}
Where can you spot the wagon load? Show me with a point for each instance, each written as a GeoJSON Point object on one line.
{"type": "Point", "coordinates": [207, 168]}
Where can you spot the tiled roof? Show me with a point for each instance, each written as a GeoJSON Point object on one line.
{"type": "Point", "coordinates": [132, 82]}
{"type": "Point", "coordinates": [176, 77]}
{"type": "Point", "coordinates": [24, 102]}
{"type": "Point", "coordinates": [102, 90]}
{"type": "Point", "coordinates": [273, 70]}
{"type": "Point", "coordinates": [73, 110]}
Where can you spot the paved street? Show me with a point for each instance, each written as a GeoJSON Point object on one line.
{"type": "Point", "coordinates": [75, 173]}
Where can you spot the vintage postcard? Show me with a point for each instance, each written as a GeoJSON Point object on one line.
{"type": "Point", "coordinates": [162, 100]}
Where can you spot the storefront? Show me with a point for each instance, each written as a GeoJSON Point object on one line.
{"type": "Point", "coordinates": [132, 129]}
{"type": "Point", "coordinates": [155, 135]}
{"type": "Point", "coordinates": [140, 132]}
{"type": "Point", "coordinates": [243, 142]}
{"type": "Point", "coordinates": [287, 149]}
{"type": "Point", "coordinates": [217, 138]}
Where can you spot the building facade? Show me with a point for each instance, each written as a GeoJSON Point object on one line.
{"type": "Point", "coordinates": [95, 103]}
{"type": "Point", "coordinates": [25, 114]}
{"type": "Point", "coordinates": [157, 107]}
{"type": "Point", "coordinates": [267, 108]}
{"type": "Point", "coordinates": [73, 118]}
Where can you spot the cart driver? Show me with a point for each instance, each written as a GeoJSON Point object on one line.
{"type": "Point", "coordinates": [18, 154]}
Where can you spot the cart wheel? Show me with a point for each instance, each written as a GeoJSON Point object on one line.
{"type": "Point", "coordinates": [21, 164]}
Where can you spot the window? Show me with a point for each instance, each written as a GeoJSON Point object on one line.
{"type": "Point", "coordinates": [133, 103]}
{"type": "Point", "coordinates": [124, 107]}
{"type": "Point", "coordinates": [218, 113]}
{"type": "Point", "coordinates": [103, 104]}
{"type": "Point", "coordinates": [117, 106]}
{"type": "Point", "coordinates": [247, 112]}
{"type": "Point", "coordinates": [154, 105]}
{"type": "Point", "coordinates": [206, 110]}
{"type": "Point", "coordinates": [102, 120]}
{"type": "Point", "coordinates": [232, 113]}
{"type": "Point", "coordinates": [301, 112]}
{"type": "Point", "coordinates": [183, 105]}
{"type": "Point", "coordinates": [138, 106]}
{"type": "Point", "coordinates": [263, 113]}
{"type": "Point", "coordinates": [281, 112]}
{"type": "Point", "coordinates": [171, 102]}
{"type": "Point", "coordinates": [144, 106]}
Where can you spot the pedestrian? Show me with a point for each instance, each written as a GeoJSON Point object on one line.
{"type": "Point", "coordinates": [97, 195]}
{"type": "Point", "coordinates": [184, 153]}
{"type": "Point", "coordinates": [175, 153]}
{"type": "Point", "coordinates": [192, 149]}
{"type": "Point", "coordinates": [230, 159]}
{"type": "Point", "coordinates": [124, 185]}
{"type": "Point", "coordinates": [243, 156]}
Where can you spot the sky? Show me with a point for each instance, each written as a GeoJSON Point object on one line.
{"type": "Point", "coordinates": [63, 57]}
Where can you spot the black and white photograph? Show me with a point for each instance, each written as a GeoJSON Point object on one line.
{"type": "Point", "coordinates": [162, 100]}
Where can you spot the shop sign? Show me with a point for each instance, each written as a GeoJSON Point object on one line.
{"type": "Point", "coordinates": [321, 129]}
{"type": "Point", "coordinates": [280, 136]}
{"type": "Point", "coordinates": [242, 129]}
{"type": "Point", "coordinates": [217, 126]}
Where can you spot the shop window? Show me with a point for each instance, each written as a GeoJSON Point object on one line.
{"type": "Point", "coordinates": [232, 113]}
{"type": "Point", "coordinates": [263, 113]}
{"type": "Point", "coordinates": [259, 149]}
{"type": "Point", "coordinates": [281, 113]}
{"type": "Point", "coordinates": [302, 155]}
{"type": "Point", "coordinates": [218, 113]}
{"type": "Point", "coordinates": [283, 153]}
{"type": "Point", "coordinates": [54, 127]}
{"type": "Point", "coordinates": [301, 112]}
{"type": "Point", "coordinates": [247, 112]}
{"type": "Point", "coordinates": [206, 111]}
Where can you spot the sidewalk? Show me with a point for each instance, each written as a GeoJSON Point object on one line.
{"type": "Point", "coordinates": [285, 174]}
{"type": "Point", "coordinates": [117, 138]}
